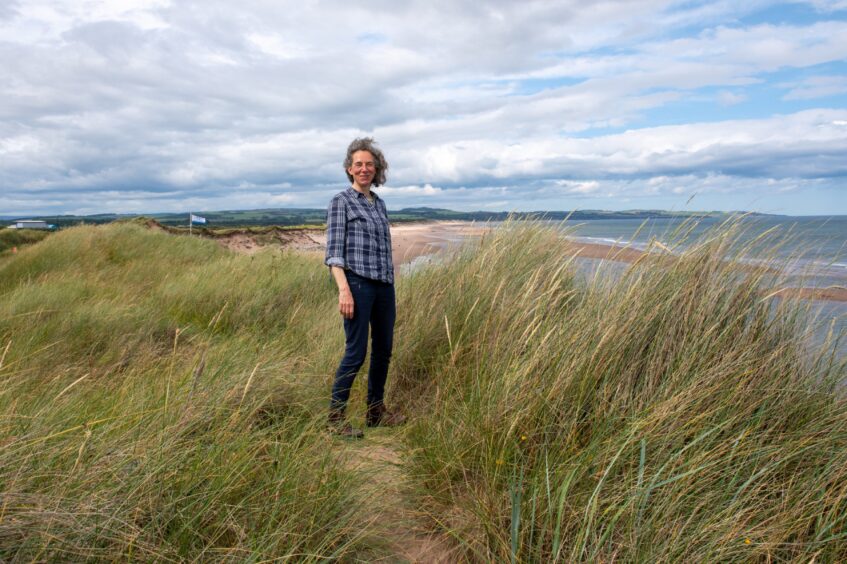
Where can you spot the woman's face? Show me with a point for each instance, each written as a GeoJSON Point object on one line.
{"type": "Point", "coordinates": [363, 168]}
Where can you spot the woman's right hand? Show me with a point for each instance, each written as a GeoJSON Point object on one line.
{"type": "Point", "coordinates": [345, 303]}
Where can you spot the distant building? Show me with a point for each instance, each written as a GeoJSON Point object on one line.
{"type": "Point", "coordinates": [31, 224]}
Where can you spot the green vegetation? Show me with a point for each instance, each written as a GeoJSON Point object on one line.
{"type": "Point", "coordinates": [674, 415]}
{"type": "Point", "coordinates": [11, 238]}
{"type": "Point", "coordinates": [164, 399]}
{"type": "Point", "coordinates": [159, 398]}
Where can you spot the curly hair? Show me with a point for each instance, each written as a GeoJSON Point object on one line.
{"type": "Point", "coordinates": [369, 145]}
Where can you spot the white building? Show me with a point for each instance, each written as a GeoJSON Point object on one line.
{"type": "Point", "coordinates": [31, 224]}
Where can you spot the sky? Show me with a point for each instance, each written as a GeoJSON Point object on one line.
{"type": "Point", "coordinates": [142, 106]}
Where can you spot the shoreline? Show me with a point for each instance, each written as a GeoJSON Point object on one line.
{"type": "Point", "coordinates": [417, 239]}
{"type": "Point", "coordinates": [629, 255]}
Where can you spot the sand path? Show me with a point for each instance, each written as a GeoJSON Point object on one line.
{"type": "Point", "coordinates": [386, 501]}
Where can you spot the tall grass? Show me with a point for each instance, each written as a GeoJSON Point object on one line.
{"type": "Point", "coordinates": [11, 238]}
{"type": "Point", "coordinates": [163, 399]}
{"type": "Point", "coordinates": [673, 414]}
{"type": "Point", "coordinates": [158, 400]}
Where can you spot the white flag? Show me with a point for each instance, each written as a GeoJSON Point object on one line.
{"type": "Point", "coordinates": [197, 219]}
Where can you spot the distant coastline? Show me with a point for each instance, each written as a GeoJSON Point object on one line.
{"type": "Point", "coordinates": [317, 216]}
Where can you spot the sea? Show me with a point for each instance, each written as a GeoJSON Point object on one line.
{"type": "Point", "coordinates": [810, 252]}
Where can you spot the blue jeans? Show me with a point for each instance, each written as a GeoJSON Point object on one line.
{"type": "Point", "coordinates": [374, 306]}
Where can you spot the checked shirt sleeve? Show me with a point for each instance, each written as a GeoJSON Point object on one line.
{"type": "Point", "coordinates": [336, 230]}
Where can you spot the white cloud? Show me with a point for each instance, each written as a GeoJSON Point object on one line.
{"type": "Point", "coordinates": [816, 87]}
{"type": "Point", "coordinates": [829, 5]}
{"type": "Point", "coordinates": [425, 190]}
{"type": "Point", "coordinates": [574, 187]}
{"type": "Point", "coordinates": [277, 46]}
{"type": "Point", "coordinates": [212, 104]}
{"type": "Point", "coordinates": [727, 98]}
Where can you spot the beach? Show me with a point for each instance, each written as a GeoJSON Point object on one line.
{"type": "Point", "coordinates": [411, 241]}
{"type": "Point", "coordinates": [408, 240]}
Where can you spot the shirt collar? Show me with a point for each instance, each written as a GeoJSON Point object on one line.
{"type": "Point", "coordinates": [357, 194]}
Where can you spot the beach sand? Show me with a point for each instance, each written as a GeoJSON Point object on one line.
{"type": "Point", "coordinates": [412, 240]}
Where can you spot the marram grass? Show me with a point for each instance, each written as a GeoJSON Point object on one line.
{"type": "Point", "coordinates": [163, 399]}
{"type": "Point", "coordinates": [671, 415]}
{"type": "Point", "coordinates": [15, 239]}
{"type": "Point", "coordinates": [158, 400]}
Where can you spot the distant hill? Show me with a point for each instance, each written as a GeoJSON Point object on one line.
{"type": "Point", "coordinates": [317, 216]}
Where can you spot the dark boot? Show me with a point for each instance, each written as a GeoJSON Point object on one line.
{"type": "Point", "coordinates": [338, 425]}
{"type": "Point", "coordinates": [380, 416]}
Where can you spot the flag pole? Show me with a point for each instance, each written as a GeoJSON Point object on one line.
{"type": "Point", "coordinates": [189, 223]}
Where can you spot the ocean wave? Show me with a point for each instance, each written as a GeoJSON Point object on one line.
{"type": "Point", "coordinates": [639, 245]}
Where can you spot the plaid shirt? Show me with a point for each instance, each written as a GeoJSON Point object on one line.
{"type": "Point", "coordinates": [358, 237]}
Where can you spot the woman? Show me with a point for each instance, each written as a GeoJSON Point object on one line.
{"type": "Point", "coordinates": [358, 252]}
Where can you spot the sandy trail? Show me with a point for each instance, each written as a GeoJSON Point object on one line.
{"type": "Point", "coordinates": [387, 503]}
